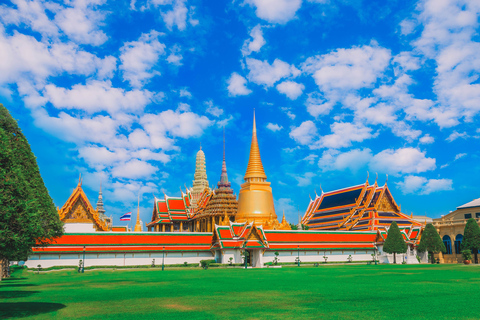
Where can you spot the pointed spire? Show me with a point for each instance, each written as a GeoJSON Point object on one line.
{"type": "Point", "coordinates": [224, 176]}
{"type": "Point", "coordinates": [255, 166]}
{"type": "Point", "coordinates": [100, 209]}
{"type": "Point", "coordinates": [283, 219]}
{"type": "Point", "coordinates": [138, 225]}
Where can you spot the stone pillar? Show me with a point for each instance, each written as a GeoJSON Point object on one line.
{"type": "Point", "coordinates": [181, 226]}
{"type": "Point", "coordinates": [163, 228]}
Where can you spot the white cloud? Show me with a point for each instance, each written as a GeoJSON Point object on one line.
{"type": "Point", "coordinates": [134, 169]}
{"type": "Point", "coordinates": [139, 57]}
{"type": "Point", "coordinates": [213, 109]}
{"type": "Point", "coordinates": [304, 180]}
{"type": "Point", "coordinates": [343, 134]}
{"type": "Point", "coordinates": [262, 73]}
{"type": "Point", "coordinates": [19, 65]}
{"type": "Point", "coordinates": [404, 160]}
{"type": "Point", "coordinates": [455, 135]}
{"type": "Point", "coordinates": [177, 16]}
{"type": "Point", "coordinates": [353, 160]}
{"type": "Point", "coordinates": [274, 127]}
{"type": "Point", "coordinates": [427, 139]}
{"type": "Point", "coordinates": [305, 133]}
{"type": "Point", "coordinates": [317, 106]}
{"type": "Point", "coordinates": [81, 22]}
{"type": "Point", "coordinates": [459, 156]}
{"type": "Point", "coordinates": [346, 69]}
{"type": "Point", "coordinates": [237, 85]}
{"type": "Point", "coordinates": [255, 43]}
{"type": "Point", "coordinates": [310, 158]}
{"type": "Point", "coordinates": [97, 96]}
{"type": "Point", "coordinates": [276, 11]}
{"type": "Point", "coordinates": [291, 89]}
{"type": "Point", "coordinates": [421, 185]}
{"type": "Point", "coordinates": [176, 124]}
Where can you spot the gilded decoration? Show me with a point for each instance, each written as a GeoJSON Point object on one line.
{"type": "Point", "coordinates": [78, 209]}
{"type": "Point", "coordinates": [386, 204]}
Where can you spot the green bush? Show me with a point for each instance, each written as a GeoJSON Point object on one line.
{"type": "Point", "coordinates": [206, 263]}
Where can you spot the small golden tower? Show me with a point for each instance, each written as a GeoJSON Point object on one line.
{"type": "Point", "coordinates": [255, 200]}
{"type": "Point", "coordinates": [138, 225]}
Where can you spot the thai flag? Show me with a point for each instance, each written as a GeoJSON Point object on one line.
{"type": "Point", "coordinates": [126, 217]}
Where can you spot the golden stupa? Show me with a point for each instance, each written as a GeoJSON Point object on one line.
{"type": "Point", "coordinates": [255, 200]}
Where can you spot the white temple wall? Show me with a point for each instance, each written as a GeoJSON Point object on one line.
{"type": "Point", "coordinates": [317, 256]}
{"type": "Point", "coordinates": [79, 228]}
{"type": "Point", "coordinates": [227, 254]}
{"type": "Point", "coordinates": [116, 259]}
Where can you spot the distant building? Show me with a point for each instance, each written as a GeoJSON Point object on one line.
{"type": "Point", "coordinates": [451, 226]}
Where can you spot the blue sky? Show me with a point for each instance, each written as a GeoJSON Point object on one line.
{"type": "Point", "coordinates": [125, 92]}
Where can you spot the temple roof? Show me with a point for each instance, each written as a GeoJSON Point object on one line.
{"type": "Point", "coordinates": [471, 204]}
{"type": "Point", "coordinates": [170, 209]}
{"type": "Point", "coordinates": [360, 207]}
{"type": "Point", "coordinates": [78, 209]}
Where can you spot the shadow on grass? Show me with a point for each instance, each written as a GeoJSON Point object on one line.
{"type": "Point", "coordinates": [13, 279]}
{"type": "Point", "coordinates": [17, 285]}
{"type": "Point", "coordinates": [25, 309]}
{"type": "Point", "coordinates": [16, 294]}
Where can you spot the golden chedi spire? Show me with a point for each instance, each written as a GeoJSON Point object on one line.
{"type": "Point", "coordinates": [255, 199]}
{"type": "Point", "coordinates": [138, 225]}
{"type": "Point", "coordinates": [255, 166]}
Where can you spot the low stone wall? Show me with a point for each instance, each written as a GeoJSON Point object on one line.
{"type": "Point", "coordinates": [116, 259]}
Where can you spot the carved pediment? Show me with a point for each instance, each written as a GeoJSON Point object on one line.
{"type": "Point", "coordinates": [386, 204]}
{"type": "Point", "coordinates": [79, 213]}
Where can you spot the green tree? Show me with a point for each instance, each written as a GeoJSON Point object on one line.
{"type": "Point", "coordinates": [471, 237]}
{"type": "Point", "coordinates": [28, 216]}
{"type": "Point", "coordinates": [431, 242]}
{"type": "Point", "coordinates": [395, 242]}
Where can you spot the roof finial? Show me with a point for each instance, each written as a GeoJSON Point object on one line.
{"type": "Point", "coordinates": [376, 177]}
{"type": "Point", "coordinates": [386, 179]}
{"type": "Point", "coordinates": [321, 189]}
{"type": "Point", "coordinates": [200, 145]}
{"type": "Point", "coordinates": [138, 226]}
{"type": "Point", "coordinates": [368, 175]}
{"type": "Point", "coordinates": [80, 179]}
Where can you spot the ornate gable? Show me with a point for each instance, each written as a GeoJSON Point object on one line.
{"type": "Point", "coordinates": [386, 202]}
{"type": "Point", "coordinates": [78, 209]}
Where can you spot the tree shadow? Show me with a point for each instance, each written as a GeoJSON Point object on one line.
{"type": "Point", "coordinates": [18, 285]}
{"type": "Point", "coordinates": [16, 294]}
{"type": "Point", "coordinates": [13, 279]}
{"type": "Point", "coordinates": [25, 309]}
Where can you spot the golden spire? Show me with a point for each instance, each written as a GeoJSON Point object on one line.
{"type": "Point", "coordinates": [255, 167]}
{"type": "Point", "coordinates": [138, 225]}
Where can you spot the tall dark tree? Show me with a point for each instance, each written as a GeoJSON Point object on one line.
{"type": "Point", "coordinates": [471, 237]}
{"type": "Point", "coordinates": [395, 242]}
{"type": "Point", "coordinates": [28, 217]}
{"type": "Point", "coordinates": [431, 242]}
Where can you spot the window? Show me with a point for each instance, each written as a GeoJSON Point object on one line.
{"type": "Point", "coordinates": [477, 215]}
{"type": "Point", "coordinates": [468, 215]}
{"type": "Point", "coordinates": [458, 242]}
{"type": "Point", "coordinates": [448, 244]}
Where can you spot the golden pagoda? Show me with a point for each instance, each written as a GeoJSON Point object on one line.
{"type": "Point", "coordinates": [255, 200]}
{"type": "Point", "coordinates": [138, 225]}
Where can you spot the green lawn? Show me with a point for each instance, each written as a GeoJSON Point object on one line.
{"type": "Point", "coordinates": [332, 292]}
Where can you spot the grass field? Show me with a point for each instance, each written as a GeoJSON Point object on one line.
{"type": "Point", "coordinates": [331, 292]}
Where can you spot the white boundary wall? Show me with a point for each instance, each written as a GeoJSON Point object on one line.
{"type": "Point", "coordinates": [116, 259]}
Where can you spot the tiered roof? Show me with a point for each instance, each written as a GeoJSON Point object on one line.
{"type": "Point", "coordinates": [361, 207]}
{"type": "Point", "coordinates": [223, 201]}
{"type": "Point", "coordinates": [170, 209]}
{"type": "Point", "coordinates": [249, 236]}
